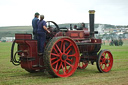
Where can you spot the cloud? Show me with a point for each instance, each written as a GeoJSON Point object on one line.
{"type": "Point", "coordinates": [21, 12]}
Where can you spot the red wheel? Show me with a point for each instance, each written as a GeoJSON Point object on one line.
{"type": "Point", "coordinates": [104, 61]}
{"type": "Point", "coordinates": [82, 65]}
{"type": "Point", "coordinates": [61, 57]}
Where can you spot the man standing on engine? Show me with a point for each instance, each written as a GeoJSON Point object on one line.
{"type": "Point", "coordinates": [41, 34]}
{"type": "Point", "coordinates": [34, 25]}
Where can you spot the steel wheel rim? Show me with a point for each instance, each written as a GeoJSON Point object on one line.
{"type": "Point", "coordinates": [106, 61]}
{"type": "Point", "coordinates": [64, 57]}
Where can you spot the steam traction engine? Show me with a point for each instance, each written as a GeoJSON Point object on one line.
{"type": "Point", "coordinates": [65, 51]}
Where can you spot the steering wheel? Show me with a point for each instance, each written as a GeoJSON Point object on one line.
{"type": "Point", "coordinates": [53, 28]}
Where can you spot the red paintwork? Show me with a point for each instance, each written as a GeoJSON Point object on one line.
{"type": "Point", "coordinates": [75, 34]}
{"type": "Point", "coordinates": [82, 36]}
{"type": "Point", "coordinates": [82, 65]}
{"type": "Point", "coordinates": [26, 43]}
{"type": "Point", "coordinates": [29, 48]}
{"type": "Point", "coordinates": [96, 41]}
{"type": "Point", "coordinates": [63, 52]}
{"type": "Point", "coordinates": [23, 36]}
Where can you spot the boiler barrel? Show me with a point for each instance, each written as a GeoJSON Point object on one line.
{"type": "Point", "coordinates": [89, 48]}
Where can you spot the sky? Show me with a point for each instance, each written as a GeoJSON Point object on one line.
{"type": "Point", "coordinates": [21, 12]}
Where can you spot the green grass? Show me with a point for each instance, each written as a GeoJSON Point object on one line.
{"type": "Point", "coordinates": [15, 75]}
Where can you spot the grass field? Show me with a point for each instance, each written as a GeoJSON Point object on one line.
{"type": "Point", "coordinates": [15, 75]}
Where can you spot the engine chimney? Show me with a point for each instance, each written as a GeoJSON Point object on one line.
{"type": "Point", "coordinates": [91, 22]}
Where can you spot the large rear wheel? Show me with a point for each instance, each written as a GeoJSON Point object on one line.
{"type": "Point", "coordinates": [61, 57]}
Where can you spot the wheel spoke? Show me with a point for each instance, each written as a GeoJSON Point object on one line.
{"type": "Point", "coordinates": [59, 66]}
{"type": "Point", "coordinates": [55, 54]}
{"type": "Point", "coordinates": [104, 54]}
{"type": "Point", "coordinates": [68, 47]}
{"type": "Point", "coordinates": [56, 66]}
{"type": "Point", "coordinates": [69, 51]}
{"type": "Point", "coordinates": [63, 47]}
{"type": "Point", "coordinates": [70, 59]}
{"type": "Point", "coordinates": [109, 64]}
{"type": "Point", "coordinates": [55, 50]}
{"type": "Point", "coordinates": [58, 48]}
{"type": "Point", "coordinates": [53, 58]}
{"type": "Point", "coordinates": [102, 59]}
{"type": "Point", "coordinates": [107, 57]}
{"type": "Point", "coordinates": [69, 64]}
{"type": "Point", "coordinates": [56, 62]}
{"type": "Point", "coordinates": [73, 55]}
{"type": "Point", "coordinates": [63, 69]}
{"type": "Point", "coordinates": [105, 66]}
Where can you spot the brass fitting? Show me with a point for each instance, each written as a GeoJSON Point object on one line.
{"type": "Point", "coordinates": [91, 11]}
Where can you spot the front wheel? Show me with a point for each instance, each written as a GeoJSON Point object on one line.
{"type": "Point", "coordinates": [61, 57]}
{"type": "Point", "coordinates": [104, 61]}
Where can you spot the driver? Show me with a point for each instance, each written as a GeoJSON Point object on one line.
{"type": "Point", "coordinates": [41, 34]}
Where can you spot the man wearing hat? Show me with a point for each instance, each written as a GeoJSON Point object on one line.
{"type": "Point", "coordinates": [34, 25]}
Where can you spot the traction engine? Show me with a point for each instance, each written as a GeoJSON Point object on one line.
{"type": "Point", "coordinates": [65, 51]}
